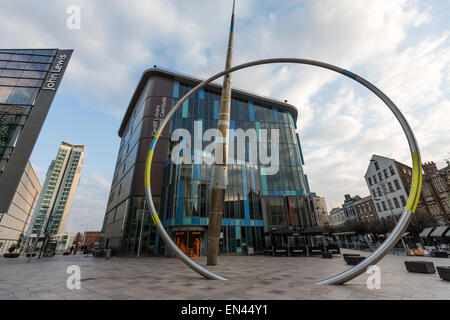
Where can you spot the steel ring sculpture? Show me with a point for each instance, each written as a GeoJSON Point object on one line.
{"type": "Point", "coordinates": [376, 256]}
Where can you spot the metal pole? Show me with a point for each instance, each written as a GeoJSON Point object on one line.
{"type": "Point", "coordinates": [140, 234]}
{"type": "Point", "coordinates": [218, 186]}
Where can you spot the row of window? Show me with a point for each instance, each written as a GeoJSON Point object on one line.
{"type": "Point", "coordinates": [380, 175]}
{"type": "Point", "coordinates": [391, 189]}
{"type": "Point", "coordinates": [384, 207]}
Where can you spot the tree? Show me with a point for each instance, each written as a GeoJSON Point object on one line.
{"type": "Point", "coordinates": [421, 220]}
{"type": "Point", "coordinates": [12, 248]}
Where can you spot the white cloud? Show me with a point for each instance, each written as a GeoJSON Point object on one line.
{"type": "Point", "coordinates": [89, 205]}
{"type": "Point", "coordinates": [341, 126]}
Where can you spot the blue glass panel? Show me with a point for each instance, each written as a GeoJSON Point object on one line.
{"type": "Point", "coordinates": [250, 111]}
{"type": "Point", "coordinates": [176, 89]}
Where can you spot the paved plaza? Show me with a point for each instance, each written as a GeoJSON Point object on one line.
{"type": "Point", "coordinates": [250, 277]}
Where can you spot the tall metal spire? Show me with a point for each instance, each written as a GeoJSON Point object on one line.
{"type": "Point", "coordinates": [218, 186]}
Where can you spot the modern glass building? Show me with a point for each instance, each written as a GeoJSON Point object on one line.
{"type": "Point", "coordinates": [29, 79]}
{"type": "Point", "coordinates": [259, 209]}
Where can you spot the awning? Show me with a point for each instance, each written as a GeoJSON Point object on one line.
{"type": "Point", "coordinates": [426, 232]}
{"type": "Point", "coordinates": [348, 233]}
{"type": "Point", "coordinates": [439, 231]}
{"type": "Point", "coordinates": [403, 235]}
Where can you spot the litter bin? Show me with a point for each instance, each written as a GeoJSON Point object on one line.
{"type": "Point", "coordinates": [251, 250]}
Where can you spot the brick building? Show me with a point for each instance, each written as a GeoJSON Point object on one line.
{"type": "Point", "coordinates": [435, 198]}
{"type": "Point", "coordinates": [365, 209]}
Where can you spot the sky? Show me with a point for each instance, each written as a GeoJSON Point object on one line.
{"type": "Point", "coordinates": [402, 47]}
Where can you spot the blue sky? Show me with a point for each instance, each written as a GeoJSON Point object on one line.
{"type": "Point", "coordinates": [402, 46]}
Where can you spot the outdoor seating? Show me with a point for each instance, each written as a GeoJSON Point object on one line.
{"type": "Point", "coordinates": [353, 260]}
{"type": "Point", "coordinates": [281, 251]}
{"type": "Point", "coordinates": [298, 251]}
{"type": "Point", "coordinates": [420, 266]}
{"type": "Point", "coordinates": [315, 251]}
{"type": "Point", "coordinates": [444, 272]}
{"type": "Point", "coordinates": [333, 249]}
{"type": "Point", "coordinates": [98, 253]}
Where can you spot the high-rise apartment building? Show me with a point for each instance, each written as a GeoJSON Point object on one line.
{"type": "Point", "coordinates": [54, 204]}
{"type": "Point", "coordinates": [29, 79]}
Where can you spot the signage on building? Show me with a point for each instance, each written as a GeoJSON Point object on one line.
{"type": "Point", "coordinates": [54, 74]}
{"type": "Point", "coordinates": [158, 116]}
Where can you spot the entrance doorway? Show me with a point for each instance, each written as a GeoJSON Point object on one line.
{"type": "Point", "coordinates": [189, 242]}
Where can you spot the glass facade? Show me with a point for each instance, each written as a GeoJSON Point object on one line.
{"type": "Point", "coordinates": [254, 201]}
{"type": "Point", "coordinates": [22, 73]}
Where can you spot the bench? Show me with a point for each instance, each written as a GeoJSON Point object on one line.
{"type": "Point", "coordinates": [351, 255]}
{"type": "Point", "coordinates": [439, 254]}
{"type": "Point", "coordinates": [420, 266]}
{"type": "Point", "coordinates": [444, 272]}
{"type": "Point", "coordinates": [353, 260]}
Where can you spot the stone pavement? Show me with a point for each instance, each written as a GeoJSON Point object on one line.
{"type": "Point", "coordinates": [250, 277]}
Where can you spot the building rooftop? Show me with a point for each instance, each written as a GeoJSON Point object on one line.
{"type": "Point", "coordinates": [236, 93]}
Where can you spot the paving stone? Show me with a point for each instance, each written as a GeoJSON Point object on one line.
{"type": "Point", "coordinates": [250, 277]}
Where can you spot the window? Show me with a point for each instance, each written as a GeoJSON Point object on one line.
{"type": "Point", "coordinates": [391, 169]}
{"type": "Point", "coordinates": [370, 181]}
{"type": "Point", "coordinates": [397, 204]}
{"type": "Point", "coordinates": [375, 179]}
{"type": "Point", "coordinates": [374, 193]}
{"type": "Point", "coordinates": [380, 176]}
{"type": "Point", "coordinates": [386, 175]}
{"type": "Point", "coordinates": [376, 165]}
{"type": "Point", "coordinates": [402, 199]}
{"type": "Point", "coordinates": [379, 207]}
{"type": "Point", "coordinates": [391, 189]}
{"type": "Point", "coordinates": [384, 205]}
{"type": "Point", "coordinates": [379, 191]}
{"type": "Point", "coordinates": [390, 204]}
{"type": "Point", "coordinates": [397, 184]}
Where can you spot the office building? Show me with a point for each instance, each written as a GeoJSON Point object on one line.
{"type": "Point", "coordinates": [29, 79]}
{"type": "Point", "coordinates": [14, 222]}
{"type": "Point", "coordinates": [257, 206]}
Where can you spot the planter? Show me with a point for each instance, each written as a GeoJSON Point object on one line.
{"type": "Point", "coordinates": [353, 260]}
{"type": "Point", "coordinates": [11, 255]}
{"type": "Point", "coordinates": [327, 255]}
{"type": "Point", "coordinates": [444, 272]}
{"type": "Point", "coordinates": [420, 266]}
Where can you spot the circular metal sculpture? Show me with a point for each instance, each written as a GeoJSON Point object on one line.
{"type": "Point", "coordinates": [376, 256]}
